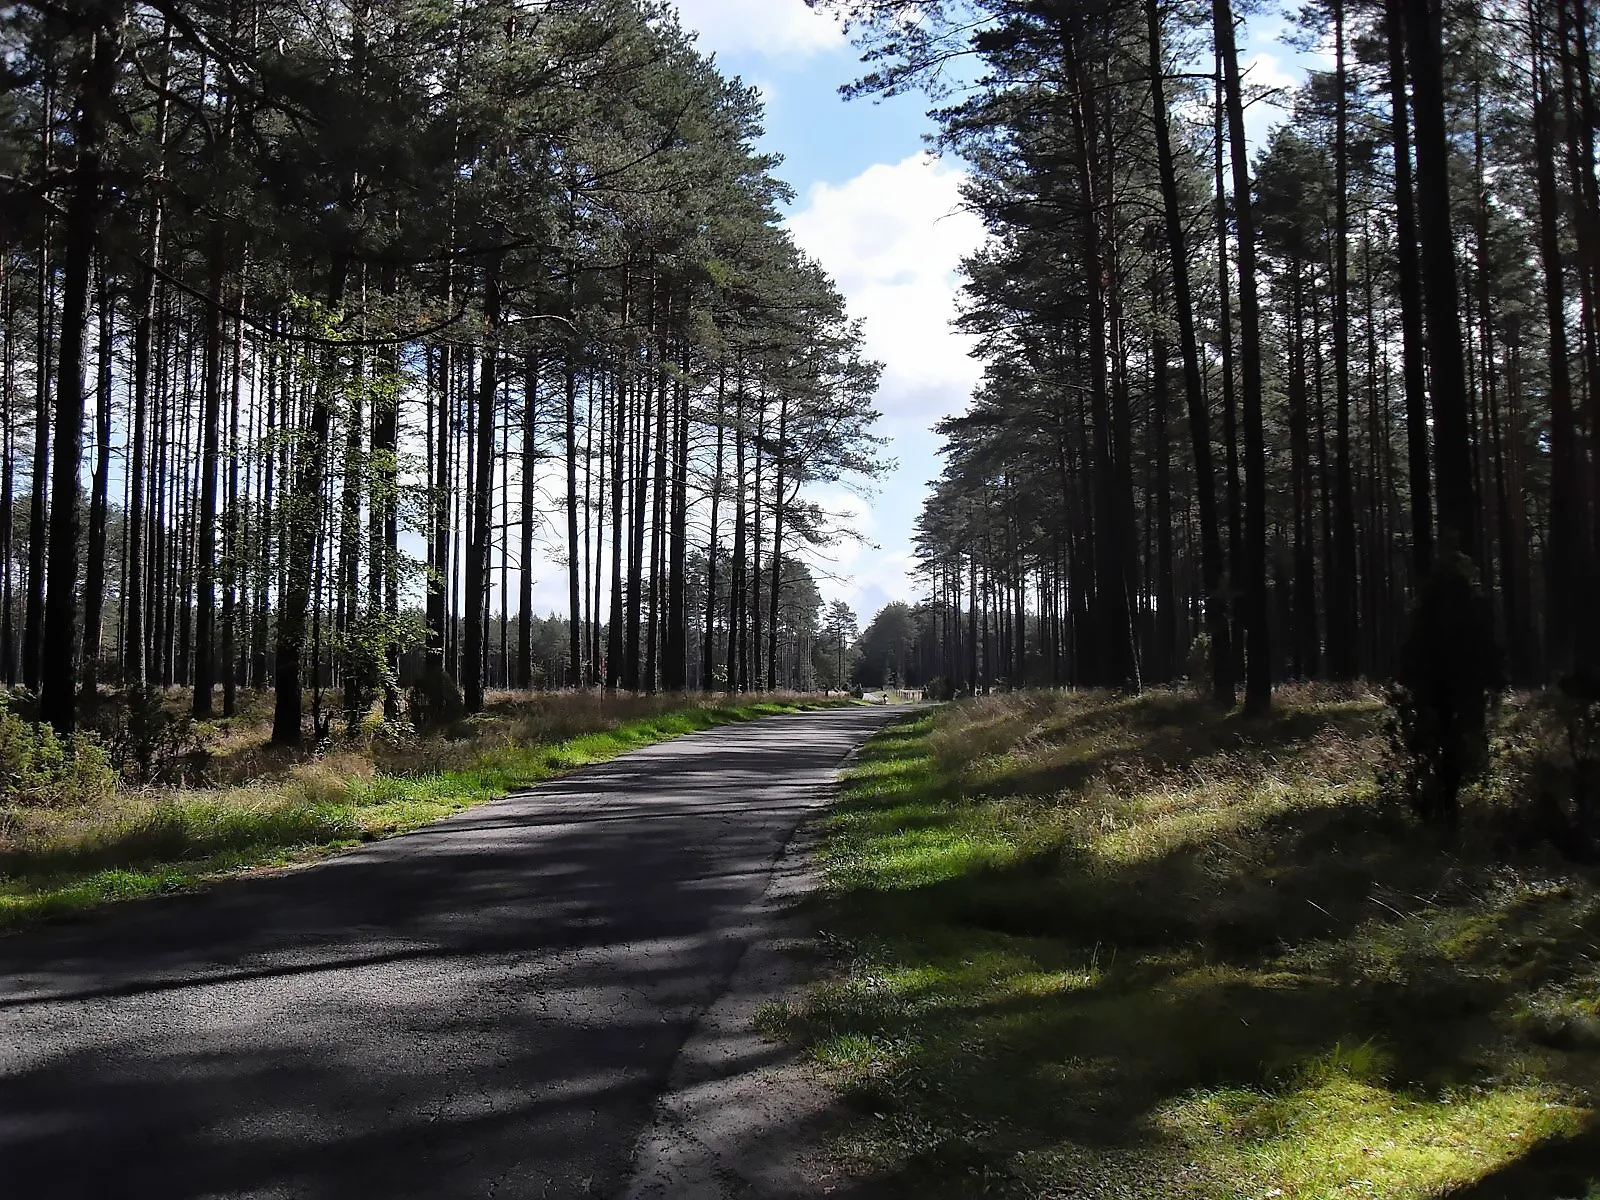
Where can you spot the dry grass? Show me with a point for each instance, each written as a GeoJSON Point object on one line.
{"type": "Point", "coordinates": [1108, 946]}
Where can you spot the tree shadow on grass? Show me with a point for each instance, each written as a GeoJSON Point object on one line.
{"type": "Point", "coordinates": [1169, 733]}
{"type": "Point", "coordinates": [1231, 964]}
{"type": "Point", "coordinates": [981, 1081]}
{"type": "Point", "coordinates": [1561, 1169]}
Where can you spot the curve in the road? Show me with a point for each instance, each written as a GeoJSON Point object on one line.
{"type": "Point", "coordinates": [486, 1007]}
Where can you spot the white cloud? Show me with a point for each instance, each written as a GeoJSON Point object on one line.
{"type": "Point", "coordinates": [774, 28]}
{"type": "Point", "coordinates": [1265, 70]}
{"type": "Point", "coordinates": [893, 238]}
{"type": "Point", "coordinates": [1261, 117]}
{"type": "Point", "coordinates": [865, 571]}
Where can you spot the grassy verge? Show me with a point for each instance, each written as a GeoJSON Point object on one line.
{"type": "Point", "coordinates": [1129, 947]}
{"type": "Point", "coordinates": [57, 862]}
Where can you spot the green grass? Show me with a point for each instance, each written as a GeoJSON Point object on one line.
{"type": "Point", "coordinates": [1094, 946]}
{"type": "Point", "coordinates": [60, 863]}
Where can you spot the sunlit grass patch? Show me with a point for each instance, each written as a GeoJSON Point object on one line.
{"type": "Point", "coordinates": [1341, 1135]}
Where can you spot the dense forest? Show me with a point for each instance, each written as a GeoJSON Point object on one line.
{"type": "Point", "coordinates": [321, 330]}
{"type": "Point", "coordinates": [1241, 400]}
{"type": "Point", "coordinates": [321, 323]}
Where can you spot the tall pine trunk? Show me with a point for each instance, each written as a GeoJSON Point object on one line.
{"type": "Point", "coordinates": [1258, 668]}
{"type": "Point", "coordinates": [1212, 566]}
{"type": "Point", "coordinates": [302, 511]}
{"type": "Point", "coordinates": [1566, 559]}
{"type": "Point", "coordinates": [80, 235]}
{"type": "Point", "coordinates": [1409, 279]}
{"type": "Point", "coordinates": [478, 540]}
{"type": "Point", "coordinates": [780, 462]}
{"type": "Point", "coordinates": [1458, 526]}
{"type": "Point", "coordinates": [94, 584]}
{"type": "Point", "coordinates": [206, 552]}
{"type": "Point", "coordinates": [708, 642]}
{"type": "Point", "coordinates": [1344, 657]}
{"type": "Point", "coordinates": [574, 599]}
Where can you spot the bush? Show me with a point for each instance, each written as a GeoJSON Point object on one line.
{"type": "Point", "coordinates": [150, 743]}
{"type": "Point", "coordinates": [1557, 796]}
{"type": "Point", "coordinates": [1445, 695]}
{"type": "Point", "coordinates": [1578, 705]}
{"type": "Point", "coordinates": [38, 768]}
{"type": "Point", "coordinates": [369, 650]}
{"type": "Point", "coordinates": [435, 700]}
{"type": "Point", "coordinates": [1197, 664]}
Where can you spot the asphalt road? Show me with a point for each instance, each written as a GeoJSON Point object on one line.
{"type": "Point", "coordinates": [486, 1007]}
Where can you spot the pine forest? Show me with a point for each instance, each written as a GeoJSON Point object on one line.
{"type": "Point", "coordinates": [1242, 401]}
{"type": "Point", "coordinates": [445, 446]}
{"type": "Point", "coordinates": [327, 330]}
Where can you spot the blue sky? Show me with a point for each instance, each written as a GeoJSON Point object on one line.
{"type": "Point", "coordinates": [884, 218]}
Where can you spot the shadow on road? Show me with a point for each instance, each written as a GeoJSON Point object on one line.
{"type": "Point", "coordinates": [487, 1006]}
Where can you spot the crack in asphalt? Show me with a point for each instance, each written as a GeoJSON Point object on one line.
{"type": "Point", "coordinates": [493, 1005]}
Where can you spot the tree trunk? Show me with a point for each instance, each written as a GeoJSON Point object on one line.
{"type": "Point", "coordinates": [39, 477]}
{"type": "Point", "coordinates": [8, 360]}
{"type": "Point", "coordinates": [574, 599]}
{"type": "Point", "coordinates": [231, 557]}
{"type": "Point", "coordinates": [1166, 591]}
{"type": "Point", "coordinates": [1410, 288]}
{"type": "Point", "coordinates": [675, 669]}
{"type": "Point", "coordinates": [1194, 391]}
{"type": "Point", "coordinates": [530, 459]}
{"type": "Point", "coordinates": [1344, 659]}
{"type": "Point", "coordinates": [94, 586]}
{"type": "Point", "coordinates": [1458, 527]}
{"type": "Point", "coordinates": [1118, 664]}
{"type": "Point", "coordinates": [477, 566]}
{"type": "Point", "coordinates": [780, 461]}
{"type": "Point", "coordinates": [303, 520]}
{"type": "Point", "coordinates": [736, 583]}
{"type": "Point", "coordinates": [1230, 433]}
{"type": "Point", "coordinates": [707, 645]}
{"type": "Point", "coordinates": [80, 235]}
{"type": "Point", "coordinates": [1258, 673]}
{"type": "Point", "coordinates": [1566, 560]}
{"type": "Point", "coordinates": [206, 552]}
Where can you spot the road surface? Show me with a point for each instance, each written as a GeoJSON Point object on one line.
{"type": "Point", "coordinates": [487, 1007]}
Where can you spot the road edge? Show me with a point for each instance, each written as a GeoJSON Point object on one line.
{"type": "Point", "coordinates": [743, 1117]}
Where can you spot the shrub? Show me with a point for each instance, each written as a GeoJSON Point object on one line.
{"type": "Point", "coordinates": [1578, 705]}
{"type": "Point", "coordinates": [1556, 799]}
{"type": "Point", "coordinates": [1197, 664]}
{"type": "Point", "coordinates": [435, 699]}
{"type": "Point", "coordinates": [1445, 695]}
{"type": "Point", "coordinates": [150, 743]}
{"type": "Point", "coordinates": [369, 650]}
{"type": "Point", "coordinates": [38, 768]}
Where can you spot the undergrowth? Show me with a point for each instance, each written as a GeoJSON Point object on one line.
{"type": "Point", "coordinates": [1091, 946]}
{"type": "Point", "coordinates": [87, 847]}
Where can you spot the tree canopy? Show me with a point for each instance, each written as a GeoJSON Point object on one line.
{"type": "Point", "coordinates": [1238, 399]}
{"type": "Point", "coordinates": [322, 326]}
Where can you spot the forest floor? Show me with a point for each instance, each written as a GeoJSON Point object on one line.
{"type": "Point", "coordinates": [258, 806]}
{"type": "Point", "coordinates": [1093, 946]}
